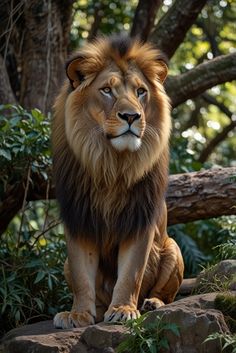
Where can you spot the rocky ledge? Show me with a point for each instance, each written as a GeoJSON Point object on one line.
{"type": "Point", "coordinates": [195, 316]}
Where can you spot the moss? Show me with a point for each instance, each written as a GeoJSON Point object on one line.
{"type": "Point", "coordinates": [226, 303]}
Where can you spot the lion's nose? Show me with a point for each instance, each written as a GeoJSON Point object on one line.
{"type": "Point", "coordinates": [129, 117]}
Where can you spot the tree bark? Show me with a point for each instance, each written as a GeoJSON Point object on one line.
{"type": "Point", "coordinates": [144, 18]}
{"type": "Point", "coordinates": [190, 196]}
{"type": "Point", "coordinates": [201, 195]}
{"type": "Point", "coordinates": [38, 32]}
{"type": "Point", "coordinates": [6, 93]}
{"type": "Point", "coordinates": [202, 77]}
{"type": "Point", "coordinates": [173, 26]}
{"type": "Point", "coordinates": [44, 52]}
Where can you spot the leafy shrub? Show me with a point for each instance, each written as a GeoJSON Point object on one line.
{"type": "Point", "coordinates": [32, 249]}
{"type": "Point", "coordinates": [146, 337]}
{"type": "Point", "coordinates": [227, 341]}
{"type": "Point", "coordinates": [24, 144]}
{"type": "Point", "coordinates": [31, 275]}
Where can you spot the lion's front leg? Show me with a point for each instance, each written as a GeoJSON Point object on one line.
{"type": "Point", "coordinates": [132, 261]}
{"type": "Point", "coordinates": [83, 264]}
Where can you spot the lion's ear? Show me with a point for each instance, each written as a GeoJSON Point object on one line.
{"type": "Point", "coordinates": [73, 71]}
{"type": "Point", "coordinates": [162, 66]}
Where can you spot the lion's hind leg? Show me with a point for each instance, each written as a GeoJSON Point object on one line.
{"type": "Point", "coordinates": [169, 277]}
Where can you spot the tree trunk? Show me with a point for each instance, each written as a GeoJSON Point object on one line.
{"type": "Point", "coordinates": [44, 52]}
{"type": "Point", "coordinates": [144, 18]}
{"type": "Point", "coordinates": [6, 93]}
{"type": "Point", "coordinates": [202, 77]}
{"type": "Point", "coordinates": [38, 33]}
{"type": "Point", "coordinates": [173, 26]}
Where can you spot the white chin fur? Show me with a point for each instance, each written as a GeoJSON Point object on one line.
{"type": "Point", "coordinates": [122, 143]}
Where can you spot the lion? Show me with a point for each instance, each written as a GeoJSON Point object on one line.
{"type": "Point", "coordinates": [110, 138]}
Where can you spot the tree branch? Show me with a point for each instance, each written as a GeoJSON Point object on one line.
{"type": "Point", "coordinates": [201, 195]}
{"type": "Point", "coordinates": [144, 18]}
{"type": "Point", "coordinates": [173, 26]}
{"type": "Point", "coordinates": [190, 197]}
{"type": "Point", "coordinates": [212, 100]}
{"type": "Point", "coordinates": [221, 136]}
{"type": "Point", "coordinates": [202, 77]}
{"type": "Point", "coordinates": [97, 18]}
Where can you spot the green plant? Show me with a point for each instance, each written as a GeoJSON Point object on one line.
{"type": "Point", "coordinates": [227, 340]}
{"type": "Point", "coordinates": [227, 250]}
{"type": "Point", "coordinates": [144, 336]}
{"type": "Point", "coordinates": [32, 282]}
{"type": "Point", "coordinates": [24, 145]}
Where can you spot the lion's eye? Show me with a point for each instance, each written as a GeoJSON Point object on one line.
{"type": "Point", "coordinates": [106, 90]}
{"type": "Point", "coordinates": [141, 91]}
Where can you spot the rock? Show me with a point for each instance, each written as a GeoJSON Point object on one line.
{"type": "Point", "coordinates": [42, 337]}
{"type": "Point", "coordinates": [195, 317]}
{"type": "Point", "coordinates": [103, 336]}
{"type": "Point", "coordinates": [194, 327]}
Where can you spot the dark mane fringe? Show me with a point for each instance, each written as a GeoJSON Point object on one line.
{"type": "Point", "coordinates": [143, 208]}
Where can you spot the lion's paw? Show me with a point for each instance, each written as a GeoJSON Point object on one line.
{"type": "Point", "coordinates": [121, 313]}
{"type": "Point", "coordinates": [73, 319]}
{"type": "Point", "coordinates": [151, 304]}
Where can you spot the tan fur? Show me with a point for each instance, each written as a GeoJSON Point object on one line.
{"type": "Point", "coordinates": [103, 177]}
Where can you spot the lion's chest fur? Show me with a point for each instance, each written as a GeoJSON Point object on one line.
{"type": "Point", "coordinates": [107, 213]}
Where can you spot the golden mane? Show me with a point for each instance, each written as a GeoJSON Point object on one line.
{"type": "Point", "coordinates": [93, 180]}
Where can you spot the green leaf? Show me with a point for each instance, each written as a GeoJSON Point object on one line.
{"type": "Point", "coordinates": [6, 154]}
{"type": "Point", "coordinates": [39, 277]}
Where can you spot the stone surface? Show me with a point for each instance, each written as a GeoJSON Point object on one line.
{"type": "Point", "coordinates": [195, 316]}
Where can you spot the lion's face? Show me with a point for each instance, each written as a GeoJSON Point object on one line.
{"type": "Point", "coordinates": [118, 106]}
{"type": "Point", "coordinates": [116, 100]}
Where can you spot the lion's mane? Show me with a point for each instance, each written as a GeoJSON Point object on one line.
{"type": "Point", "coordinates": [104, 195]}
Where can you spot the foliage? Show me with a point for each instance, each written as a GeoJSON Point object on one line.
{"type": "Point", "coordinates": [113, 16]}
{"type": "Point", "coordinates": [32, 249]}
{"type": "Point", "coordinates": [24, 144]}
{"type": "Point", "coordinates": [212, 281]}
{"type": "Point", "coordinates": [147, 337]}
{"type": "Point", "coordinates": [227, 250]}
{"type": "Point", "coordinates": [227, 340]}
{"type": "Point", "coordinates": [31, 275]}
{"type": "Point", "coordinates": [205, 242]}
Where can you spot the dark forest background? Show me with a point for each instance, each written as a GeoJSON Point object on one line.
{"type": "Point", "coordinates": [36, 36]}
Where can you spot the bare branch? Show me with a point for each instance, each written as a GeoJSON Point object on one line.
{"type": "Point", "coordinates": [144, 18]}
{"type": "Point", "coordinates": [212, 100]}
{"type": "Point", "coordinates": [202, 77]}
{"type": "Point", "coordinates": [210, 31]}
{"type": "Point", "coordinates": [98, 14]}
{"type": "Point", "coordinates": [173, 26]}
{"type": "Point", "coordinates": [216, 141]}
